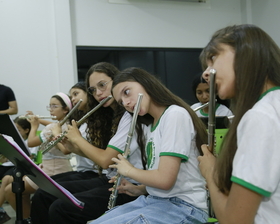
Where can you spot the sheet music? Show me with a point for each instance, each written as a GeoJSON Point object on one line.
{"type": "Point", "coordinates": [7, 144]}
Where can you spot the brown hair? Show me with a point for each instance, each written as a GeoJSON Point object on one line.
{"type": "Point", "coordinates": [162, 96]}
{"type": "Point", "coordinates": [257, 59]}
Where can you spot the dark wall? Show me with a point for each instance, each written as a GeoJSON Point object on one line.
{"type": "Point", "coordinates": [174, 67]}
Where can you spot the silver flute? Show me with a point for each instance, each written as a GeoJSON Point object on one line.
{"type": "Point", "coordinates": [211, 128]}
{"type": "Point", "coordinates": [53, 143]}
{"type": "Point", "coordinates": [201, 107]}
{"type": "Point", "coordinates": [211, 117]}
{"type": "Point", "coordinates": [71, 112]}
{"type": "Point", "coordinates": [39, 116]}
{"type": "Point", "coordinates": [114, 194]}
{"type": "Point", "coordinates": [45, 144]}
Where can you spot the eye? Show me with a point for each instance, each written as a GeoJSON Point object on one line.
{"type": "Point", "coordinates": [101, 84]}
{"type": "Point", "coordinates": [126, 92]}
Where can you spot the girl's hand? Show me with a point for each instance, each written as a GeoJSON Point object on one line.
{"type": "Point", "coordinates": [123, 166]}
{"type": "Point", "coordinates": [68, 145]}
{"type": "Point", "coordinates": [128, 188]}
{"type": "Point", "coordinates": [29, 113]}
{"type": "Point", "coordinates": [73, 132]}
{"type": "Point", "coordinates": [206, 163]}
{"type": "Point", "coordinates": [34, 121]}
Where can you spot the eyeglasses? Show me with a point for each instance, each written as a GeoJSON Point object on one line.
{"type": "Point", "coordinates": [53, 106]}
{"type": "Point", "coordinates": [101, 86]}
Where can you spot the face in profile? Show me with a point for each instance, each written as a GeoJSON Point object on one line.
{"type": "Point", "coordinates": [100, 87]}
{"type": "Point", "coordinates": [77, 94]}
{"type": "Point", "coordinates": [223, 63]}
{"type": "Point", "coordinates": [56, 109]}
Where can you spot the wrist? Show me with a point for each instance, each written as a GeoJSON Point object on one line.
{"type": "Point", "coordinates": [129, 171]}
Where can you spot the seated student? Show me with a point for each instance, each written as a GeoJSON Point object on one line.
{"type": "Point", "coordinates": [175, 187]}
{"type": "Point", "coordinates": [201, 92]}
{"type": "Point", "coordinates": [85, 168]}
{"type": "Point", "coordinates": [108, 128]}
{"type": "Point", "coordinates": [54, 161]}
{"type": "Point", "coordinates": [244, 181]}
{"type": "Point", "coordinates": [6, 168]}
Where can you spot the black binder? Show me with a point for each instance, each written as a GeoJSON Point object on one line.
{"type": "Point", "coordinates": [8, 127]}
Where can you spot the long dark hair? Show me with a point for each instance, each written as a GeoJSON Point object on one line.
{"type": "Point", "coordinates": [104, 122]}
{"type": "Point", "coordinates": [257, 59]}
{"type": "Point", "coordinates": [161, 96]}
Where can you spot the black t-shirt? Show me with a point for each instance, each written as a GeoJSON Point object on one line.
{"type": "Point", "coordinates": [6, 95]}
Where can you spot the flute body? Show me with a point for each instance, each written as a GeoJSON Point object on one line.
{"type": "Point", "coordinates": [53, 143]}
{"type": "Point", "coordinates": [47, 143]}
{"type": "Point", "coordinates": [39, 116]}
{"type": "Point", "coordinates": [71, 112]}
{"type": "Point", "coordinates": [211, 128]}
{"type": "Point", "coordinates": [114, 194]}
{"type": "Point", "coordinates": [211, 117]}
{"type": "Point", "coordinates": [201, 107]}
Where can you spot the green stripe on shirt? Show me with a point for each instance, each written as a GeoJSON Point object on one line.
{"type": "Point", "coordinates": [250, 186]}
{"type": "Point", "coordinates": [113, 147]}
{"type": "Point", "coordinates": [183, 157]}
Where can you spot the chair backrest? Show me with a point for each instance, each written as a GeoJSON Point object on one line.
{"type": "Point", "coordinates": [219, 137]}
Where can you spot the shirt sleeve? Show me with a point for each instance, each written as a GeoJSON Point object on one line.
{"type": "Point", "coordinates": [10, 95]}
{"type": "Point", "coordinates": [256, 163]}
{"type": "Point", "coordinates": [118, 141]}
{"type": "Point", "coordinates": [177, 133]}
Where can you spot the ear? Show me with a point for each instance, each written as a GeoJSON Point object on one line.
{"type": "Point", "coordinates": [26, 130]}
{"type": "Point", "coordinates": [66, 111]}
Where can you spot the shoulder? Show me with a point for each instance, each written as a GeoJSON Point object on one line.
{"type": "Point", "coordinates": [175, 112]}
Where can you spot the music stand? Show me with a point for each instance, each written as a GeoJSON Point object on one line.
{"type": "Point", "coordinates": [7, 127]}
{"type": "Point", "coordinates": [25, 166]}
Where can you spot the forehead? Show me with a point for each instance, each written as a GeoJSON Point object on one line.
{"type": "Point", "coordinates": [73, 90]}
{"type": "Point", "coordinates": [96, 77]}
{"type": "Point", "coordinates": [202, 86]}
{"type": "Point", "coordinates": [54, 101]}
{"type": "Point", "coordinates": [117, 90]}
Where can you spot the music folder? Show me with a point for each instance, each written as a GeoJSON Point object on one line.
{"type": "Point", "coordinates": [12, 150]}
{"type": "Point", "coordinates": [8, 127]}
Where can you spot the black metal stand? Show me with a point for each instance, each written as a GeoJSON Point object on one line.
{"type": "Point", "coordinates": [18, 189]}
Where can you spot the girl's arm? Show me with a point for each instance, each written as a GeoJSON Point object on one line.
{"type": "Point", "coordinates": [240, 206]}
{"type": "Point", "coordinates": [162, 178]}
{"type": "Point", "coordinates": [33, 139]}
{"type": "Point", "coordinates": [13, 108]}
{"type": "Point", "coordinates": [97, 155]}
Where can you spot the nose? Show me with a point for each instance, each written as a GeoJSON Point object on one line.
{"type": "Point", "coordinates": [73, 99]}
{"type": "Point", "coordinates": [205, 95]}
{"type": "Point", "coordinates": [126, 102]}
{"type": "Point", "coordinates": [206, 74]}
{"type": "Point", "coordinates": [98, 92]}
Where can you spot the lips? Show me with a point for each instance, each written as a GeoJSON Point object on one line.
{"type": "Point", "coordinates": [102, 99]}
